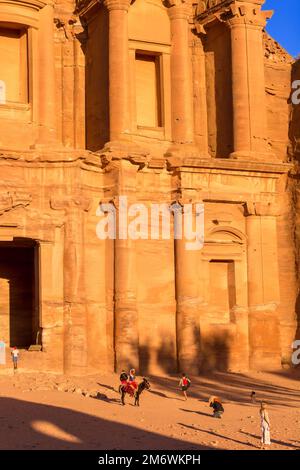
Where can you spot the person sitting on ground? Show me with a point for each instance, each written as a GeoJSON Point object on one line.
{"type": "Point", "coordinates": [216, 404]}
{"type": "Point", "coordinates": [184, 383]}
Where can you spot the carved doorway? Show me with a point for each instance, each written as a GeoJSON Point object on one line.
{"type": "Point", "coordinates": [19, 293]}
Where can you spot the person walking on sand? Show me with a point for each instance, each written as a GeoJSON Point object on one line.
{"type": "Point", "coordinates": [15, 357]}
{"type": "Point", "coordinates": [184, 384]}
{"type": "Point", "coordinates": [265, 426]}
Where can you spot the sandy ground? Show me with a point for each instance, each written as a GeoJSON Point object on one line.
{"type": "Point", "coordinates": [36, 414]}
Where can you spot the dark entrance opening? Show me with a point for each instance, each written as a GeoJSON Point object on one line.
{"type": "Point", "coordinates": [19, 288]}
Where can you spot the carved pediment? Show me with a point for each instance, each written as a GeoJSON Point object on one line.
{"type": "Point", "coordinates": [11, 200]}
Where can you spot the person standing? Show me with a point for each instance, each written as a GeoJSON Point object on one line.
{"type": "Point", "coordinates": [184, 383]}
{"type": "Point", "coordinates": [15, 357]}
{"type": "Point", "coordinates": [265, 426]}
{"type": "Point", "coordinates": [253, 397]}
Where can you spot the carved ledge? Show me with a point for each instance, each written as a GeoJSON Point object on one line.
{"type": "Point", "coordinates": [69, 203]}
{"type": "Point", "coordinates": [9, 201]}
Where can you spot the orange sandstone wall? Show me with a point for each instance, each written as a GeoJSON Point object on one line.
{"type": "Point", "coordinates": [278, 74]}
{"type": "Point", "coordinates": [295, 148]}
{"type": "Point", "coordinates": [87, 284]}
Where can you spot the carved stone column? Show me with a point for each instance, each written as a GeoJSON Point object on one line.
{"type": "Point", "coordinates": [80, 38]}
{"type": "Point", "coordinates": [182, 116]}
{"type": "Point", "coordinates": [46, 81]}
{"type": "Point", "coordinates": [75, 315]}
{"type": "Point", "coordinates": [125, 307]}
{"type": "Point", "coordinates": [263, 286]}
{"type": "Point", "coordinates": [118, 69]}
{"type": "Point", "coordinates": [200, 105]}
{"type": "Point", "coordinates": [187, 263]}
{"type": "Point", "coordinates": [5, 311]}
{"type": "Point", "coordinates": [248, 81]}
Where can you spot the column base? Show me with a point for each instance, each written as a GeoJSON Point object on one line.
{"type": "Point", "coordinates": [123, 149]}
{"type": "Point", "coordinates": [188, 366]}
{"type": "Point", "coordinates": [264, 338]}
{"type": "Point", "coordinates": [188, 332]}
{"type": "Point", "coordinates": [182, 154]}
{"type": "Point", "coordinates": [126, 335]}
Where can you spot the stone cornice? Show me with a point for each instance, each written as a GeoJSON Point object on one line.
{"type": "Point", "coordinates": [236, 165]}
{"type": "Point", "coordinates": [33, 4]}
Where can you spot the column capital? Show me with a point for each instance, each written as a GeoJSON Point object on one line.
{"type": "Point", "coordinates": [117, 4]}
{"type": "Point", "coordinates": [261, 209]}
{"type": "Point", "coordinates": [179, 9]}
{"type": "Point", "coordinates": [249, 14]}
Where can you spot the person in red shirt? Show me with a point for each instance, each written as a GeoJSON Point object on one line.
{"type": "Point", "coordinates": [184, 384]}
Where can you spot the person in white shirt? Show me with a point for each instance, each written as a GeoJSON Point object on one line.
{"type": "Point", "coordinates": [265, 426]}
{"type": "Point", "coordinates": [15, 357]}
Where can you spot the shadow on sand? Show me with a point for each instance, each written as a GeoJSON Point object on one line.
{"type": "Point", "coordinates": [233, 387]}
{"type": "Point", "coordinates": [28, 425]}
{"type": "Point", "coordinates": [274, 441]}
{"type": "Point", "coordinates": [215, 434]}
